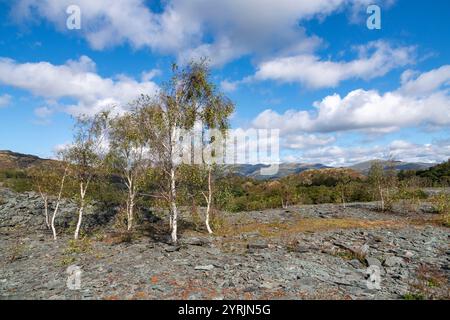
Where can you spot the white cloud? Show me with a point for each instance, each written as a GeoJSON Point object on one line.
{"type": "Point", "coordinates": [43, 115]}
{"type": "Point", "coordinates": [75, 80]}
{"type": "Point", "coordinates": [222, 29]}
{"type": "Point", "coordinates": [426, 82]}
{"type": "Point", "coordinates": [228, 86]}
{"type": "Point", "coordinates": [149, 75]}
{"type": "Point", "coordinates": [43, 112]}
{"type": "Point", "coordinates": [306, 141]}
{"type": "Point", "coordinates": [370, 111]}
{"type": "Point", "coordinates": [438, 151]}
{"type": "Point", "coordinates": [5, 100]}
{"type": "Point", "coordinates": [374, 60]}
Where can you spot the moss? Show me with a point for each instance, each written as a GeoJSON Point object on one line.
{"type": "Point", "coordinates": [413, 296]}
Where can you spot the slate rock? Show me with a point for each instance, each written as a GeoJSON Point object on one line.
{"type": "Point", "coordinates": [373, 262]}
{"type": "Point", "coordinates": [393, 261]}
{"type": "Point", "coordinates": [208, 267]}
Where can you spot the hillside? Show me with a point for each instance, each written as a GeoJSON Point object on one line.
{"type": "Point", "coordinates": [328, 176]}
{"type": "Point", "coordinates": [285, 169]}
{"type": "Point", "coordinates": [438, 173]}
{"type": "Point", "coordinates": [364, 167]}
{"type": "Point", "coordinates": [14, 160]}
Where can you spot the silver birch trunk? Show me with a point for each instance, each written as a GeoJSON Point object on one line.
{"type": "Point", "coordinates": [130, 202]}
{"type": "Point", "coordinates": [343, 199]}
{"type": "Point", "coordinates": [208, 203]}
{"type": "Point", "coordinates": [173, 205]}
{"type": "Point", "coordinates": [58, 201]}
{"type": "Point", "coordinates": [81, 210]}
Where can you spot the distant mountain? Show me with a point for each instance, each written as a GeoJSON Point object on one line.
{"type": "Point", "coordinates": [364, 167]}
{"type": "Point", "coordinates": [286, 169]}
{"type": "Point", "coordinates": [14, 160]}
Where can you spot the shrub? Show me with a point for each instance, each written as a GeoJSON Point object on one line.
{"type": "Point", "coordinates": [441, 204]}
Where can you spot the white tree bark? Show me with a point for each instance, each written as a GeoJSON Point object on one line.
{"type": "Point", "coordinates": [47, 220]}
{"type": "Point", "coordinates": [58, 201]}
{"type": "Point", "coordinates": [83, 189]}
{"type": "Point", "coordinates": [173, 205]}
{"type": "Point", "coordinates": [284, 204]}
{"type": "Point", "coordinates": [53, 219]}
{"type": "Point", "coordinates": [131, 212]}
{"type": "Point", "coordinates": [173, 187]}
{"type": "Point", "coordinates": [343, 198]}
{"type": "Point", "coordinates": [208, 199]}
{"type": "Point", "coordinates": [80, 218]}
{"type": "Point", "coordinates": [130, 201]}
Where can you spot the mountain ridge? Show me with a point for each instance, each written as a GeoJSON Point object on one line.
{"type": "Point", "coordinates": [15, 160]}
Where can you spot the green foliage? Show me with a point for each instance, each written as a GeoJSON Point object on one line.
{"type": "Point", "coordinates": [413, 296]}
{"type": "Point", "coordinates": [78, 246]}
{"type": "Point", "coordinates": [410, 193]}
{"type": "Point", "coordinates": [6, 174]}
{"type": "Point", "coordinates": [19, 185]}
{"type": "Point", "coordinates": [236, 193]}
{"type": "Point", "coordinates": [16, 180]}
{"type": "Point", "coordinates": [439, 175]}
{"type": "Point", "coordinates": [441, 204]}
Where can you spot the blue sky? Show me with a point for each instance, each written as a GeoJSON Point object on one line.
{"type": "Point", "coordinates": [339, 92]}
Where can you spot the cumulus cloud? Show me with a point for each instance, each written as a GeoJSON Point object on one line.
{"type": "Point", "coordinates": [421, 101]}
{"type": "Point", "coordinates": [307, 141]}
{"type": "Point", "coordinates": [228, 86]}
{"type": "Point", "coordinates": [374, 60]}
{"type": "Point", "coordinates": [222, 29]}
{"type": "Point", "coordinates": [426, 82]}
{"type": "Point", "coordinates": [438, 151]}
{"type": "Point", "coordinates": [5, 100]}
{"type": "Point", "coordinates": [75, 80]}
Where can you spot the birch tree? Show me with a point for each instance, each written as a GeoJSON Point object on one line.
{"type": "Point", "coordinates": [58, 199]}
{"type": "Point", "coordinates": [128, 157]}
{"type": "Point", "coordinates": [343, 181]}
{"type": "Point", "coordinates": [187, 98]}
{"type": "Point", "coordinates": [42, 182]}
{"type": "Point", "coordinates": [377, 180]}
{"type": "Point", "coordinates": [86, 156]}
{"type": "Point", "coordinates": [49, 182]}
{"type": "Point", "coordinates": [214, 109]}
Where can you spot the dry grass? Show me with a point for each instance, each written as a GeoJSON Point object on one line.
{"type": "Point", "coordinates": [436, 221]}
{"type": "Point", "coordinates": [118, 238]}
{"type": "Point", "coordinates": [278, 229]}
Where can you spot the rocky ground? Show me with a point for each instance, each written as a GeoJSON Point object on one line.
{"type": "Point", "coordinates": [305, 252]}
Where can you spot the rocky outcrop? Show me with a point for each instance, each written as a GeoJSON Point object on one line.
{"type": "Point", "coordinates": [306, 252]}
{"type": "Point", "coordinates": [26, 211]}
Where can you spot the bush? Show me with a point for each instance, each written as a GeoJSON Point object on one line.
{"type": "Point", "coordinates": [441, 204]}
{"type": "Point", "coordinates": [410, 194]}
{"type": "Point", "coordinates": [16, 180]}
